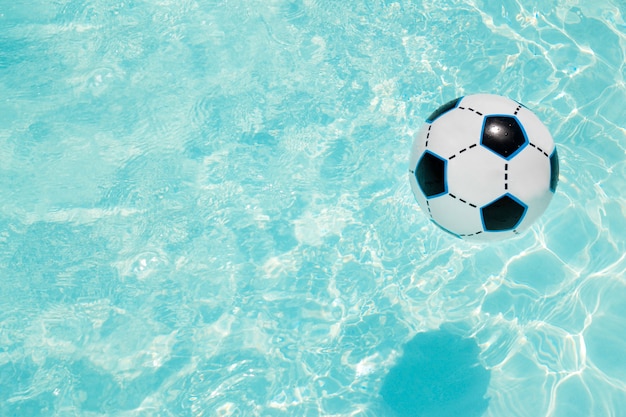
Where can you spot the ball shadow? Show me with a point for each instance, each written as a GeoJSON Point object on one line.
{"type": "Point", "coordinates": [439, 374]}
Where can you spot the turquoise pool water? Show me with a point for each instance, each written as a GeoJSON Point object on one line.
{"type": "Point", "coordinates": [205, 211]}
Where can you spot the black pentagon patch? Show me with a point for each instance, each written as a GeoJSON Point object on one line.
{"type": "Point", "coordinates": [554, 170]}
{"type": "Point", "coordinates": [430, 174]}
{"type": "Point", "coordinates": [503, 135]}
{"type": "Point", "coordinates": [502, 214]}
{"type": "Point", "coordinates": [443, 109]}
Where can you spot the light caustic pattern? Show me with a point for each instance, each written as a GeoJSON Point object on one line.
{"type": "Point", "coordinates": [205, 208]}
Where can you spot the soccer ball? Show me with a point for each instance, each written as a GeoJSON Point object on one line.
{"type": "Point", "coordinates": [483, 167]}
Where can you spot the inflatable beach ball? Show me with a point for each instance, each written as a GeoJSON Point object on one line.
{"type": "Point", "coordinates": [483, 167]}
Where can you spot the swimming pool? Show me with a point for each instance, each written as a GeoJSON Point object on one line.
{"type": "Point", "coordinates": [205, 211]}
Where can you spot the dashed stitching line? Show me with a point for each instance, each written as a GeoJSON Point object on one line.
{"type": "Point", "coordinates": [506, 176]}
{"type": "Point", "coordinates": [428, 135]}
{"type": "Point", "coordinates": [517, 110]}
{"type": "Point", "coordinates": [515, 231]}
{"type": "Point", "coordinates": [470, 109]}
{"type": "Point", "coordinates": [471, 234]}
{"type": "Point", "coordinates": [539, 149]}
{"type": "Point", "coordinates": [463, 150]}
{"type": "Point", "coordinates": [462, 200]}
